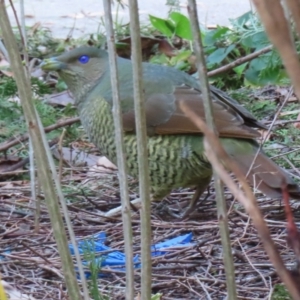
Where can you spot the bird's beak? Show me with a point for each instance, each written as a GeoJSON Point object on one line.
{"type": "Point", "coordinates": [52, 64]}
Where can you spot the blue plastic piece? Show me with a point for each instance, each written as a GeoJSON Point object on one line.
{"type": "Point", "coordinates": [112, 258]}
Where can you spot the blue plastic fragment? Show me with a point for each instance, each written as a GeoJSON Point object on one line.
{"type": "Point", "coordinates": [112, 258]}
{"type": "Point", "coordinates": [180, 241]}
{"type": "Point", "coordinates": [6, 252]}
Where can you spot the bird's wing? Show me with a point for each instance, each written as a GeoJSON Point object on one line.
{"type": "Point", "coordinates": [164, 116]}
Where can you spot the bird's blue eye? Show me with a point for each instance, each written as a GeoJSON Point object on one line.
{"type": "Point", "coordinates": [84, 59]}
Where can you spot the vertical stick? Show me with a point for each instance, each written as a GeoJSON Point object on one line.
{"type": "Point", "coordinates": [117, 114]}
{"type": "Point", "coordinates": [44, 165]}
{"type": "Point", "coordinates": [141, 132]}
{"type": "Point", "coordinates": [221, 204]}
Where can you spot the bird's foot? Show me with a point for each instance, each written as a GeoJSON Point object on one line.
{"type": "Point", "coordinates": [175, 212]}
{"type": "Point", "coordinates": [179, 212]}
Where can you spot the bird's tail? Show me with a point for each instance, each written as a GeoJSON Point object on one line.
{"type": "Point", "coordinates": [264, 175]}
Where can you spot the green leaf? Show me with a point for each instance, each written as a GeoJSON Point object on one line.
{"type": "Point", "coordinates": [259, 63]}
{"type": "Point", "coordinates": [252, 76]}
{"type": "Point", "coordinates": [156, 296]}
{"type": "Point", "coordinates": [160, 59]}
{"type": "Point", "coordinates": [184, 55]}
{"type": "Point", "coordinates": [220, 31]}
{"type": "Point", "coordinates": [256, 41]}
{"type": "Point", "coordinates": [270, 75]}
{"type": "Point", "coordinates": [182, 65]}
{"type": "Point", "coordinates": [263, 77]}
{"type": "Point", "coordinates": [240, 69]}
{"type": "Point", "coordinates": [162, 25]}
{"type": "Point", "coordinates": [219, 55]}
{"type": "Point", "coordinates": [182, 26]}
{"type": "Point", "coordinates": [211, 37]}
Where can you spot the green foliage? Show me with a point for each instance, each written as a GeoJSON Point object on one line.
{"type": "Point", "coordinates": [8, 87]}
{"type": "Point", "coordinates": [280, 293]}
{"type": "Point", "coordinates": [219, 55]}
{"type": "Point", "coordinates": [282, 136]}
{"type": "Point", "coordinates": [177, 24]}
{"type": "Point", "coordinates": [94, 265]}
{"type": "Point", "coordinates": [156, 296]}
{"type": "Point", "coordinates": [226, 44]}
{"type": "Point", "coordinates": [12, 121]}
{"type": "Point", "coordinates": [162, 25]}
{"type": "Point", "coordinates": [180, 61]}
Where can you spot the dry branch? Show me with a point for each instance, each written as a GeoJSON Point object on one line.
{"type": "Point", "coordinates": [142, 147]}
{"type": "Point", "coordinates": [121, 158]}
{"type": "Point", "coordinates": [239, 61]}
{"type": "Point", "coordinates": [22, 138]}
{"type": "Point", "coordinates": [209, 116]}
{"type": "Point", "coordinates": [43, 159]}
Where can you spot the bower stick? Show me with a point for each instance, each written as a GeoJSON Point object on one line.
{"type": "Point", "coordinates": [141, 135]}
{"type": "Point", "coordinates": [44, 165]}
{"type": "Point", "coordinates": [121, 160]}
{"type": "Point", "coordinates": [221, 204]}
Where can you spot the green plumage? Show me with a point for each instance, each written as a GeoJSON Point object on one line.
{"type": "Point", "coordinates": [176, 153]}
{"type": "Point", "coordinates": [170, 156]}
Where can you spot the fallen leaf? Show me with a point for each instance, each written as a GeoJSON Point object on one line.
{"type": "Point", "coordinates": [166, 48]}
{"type": "Point", "coordinates": [103, 168]}
{"type": "Point", "coordinates": [8, 162]}
{"type": "Point", "coordinates": [62, 99]}
{"type": "Point", "coordinates": [75, 157]}
{"type": "Point", "coordinates": [124, 46]}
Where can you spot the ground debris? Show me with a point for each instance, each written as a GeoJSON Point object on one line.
{"type": "Point", "coordinates": [30, 262]}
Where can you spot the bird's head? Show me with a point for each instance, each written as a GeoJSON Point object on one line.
{"type": "Point", "coordinates": [80, 68]}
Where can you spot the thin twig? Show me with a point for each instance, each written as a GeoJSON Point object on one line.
{"type": "Point", "coordinates": [121, 159]}
{"type": "Point", "coordinates": [141, 135]}
{"type": "Point", "coordinates": [239, 61]}
{"type": "Point", "coordinates": [23, 38]}
{"type": "Point", "coordinates": [45, 164]}
{"type": "Point", "coordinates": [22, 138]}
{"type": "Point", "coordinates": [221, 204]}
{"type": "Point", "coordinates": [288, 95]}
{"type": "Point", "coordinates": [61, 138]}
{"type": "Point", "coordinates": [23, 162]}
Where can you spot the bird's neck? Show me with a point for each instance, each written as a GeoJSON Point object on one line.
{"type": "Point", "coordinates": [80, 87]}
{"type": "Point", "coordinates": [80, 93]}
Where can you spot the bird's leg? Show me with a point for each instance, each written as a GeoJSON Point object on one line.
{"type": "Point", "coordinates": [199, 191]}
